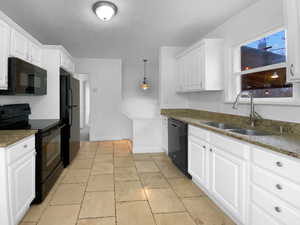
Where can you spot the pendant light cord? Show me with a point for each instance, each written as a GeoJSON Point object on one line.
{"type": "Point", "coordinates": [145, 61]}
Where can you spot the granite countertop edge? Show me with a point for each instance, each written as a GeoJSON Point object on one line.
{"type": "Point", "coordinates": [10, 137]}
{"type": "Point", "coordinates": [246, 138]}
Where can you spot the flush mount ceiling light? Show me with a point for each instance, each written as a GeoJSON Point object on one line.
{"type": "Point", "coordinates": [145, 85]}
{"type": "Point", "coordinates": [105, 10]}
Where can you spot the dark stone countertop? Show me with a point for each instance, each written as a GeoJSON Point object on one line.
{"type": "Point", "coordinates": [288, 144]}
{"type": "Point", "coordinates": [9, 137]}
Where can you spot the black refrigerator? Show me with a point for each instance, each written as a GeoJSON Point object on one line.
{"type": "Point", "coordinates": [70, 116]}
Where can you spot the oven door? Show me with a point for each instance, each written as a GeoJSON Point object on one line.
{"type": "Point", "coordinates": [51, 151]}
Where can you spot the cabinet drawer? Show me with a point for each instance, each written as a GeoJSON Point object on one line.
{"type": "Point", "coordinates": [259, 217]}
{"type": "Point", "coordinates": [231, 145]}
{"type": "Point", "coordinates": [19, 149]}
{"type": "Point", "coordinates": [275, 207]}
{"type": "Point", "coordinates": [199, 132]}
{"type": "Point", "coordinates": [280, 164]}
{"type": "Point", "coordinates": [284, 189]}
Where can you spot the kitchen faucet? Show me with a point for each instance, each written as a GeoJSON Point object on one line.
{"type": "Point", "coordinates": [254, 116]}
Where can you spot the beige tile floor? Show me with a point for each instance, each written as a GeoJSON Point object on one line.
{"type": "Point", "coordinates": [108, 185]}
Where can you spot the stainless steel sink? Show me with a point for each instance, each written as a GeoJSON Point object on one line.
{"type": "Point", "coordinates": [220, 125]}
{"type": "Point", "coordinates": [249, 132]}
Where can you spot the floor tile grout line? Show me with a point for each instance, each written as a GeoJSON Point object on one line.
{"type": "Point", "coordinates": [78, 216]}
{"type": "Point", "coordinates": [148, 203]}
{"type": "Point", "coordinates": [115, 197]}
{"type": "Point", "coordinates": [181, 200]}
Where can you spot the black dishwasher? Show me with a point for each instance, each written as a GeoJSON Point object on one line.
{"type": "Point", "coordinates": [178, 144]}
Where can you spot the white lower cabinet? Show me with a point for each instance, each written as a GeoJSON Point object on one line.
{"type": "Point", "coordinates": [198, 158]}
{"type": "Point", "coordinates": [261, 188]}
{"type": "Point", "coordinates": [21, 182]}
{"type": "Point", "coordinates": [282, 212]}
{"type": "Point", "coordinates": [228, 185]}
{"type": "Point", "coordinates": [17, 180]}
{"type": "Point", "coordinates": [219, 171]}
{"type": "Point", "coordinates": [259, 217]}
{"type": "Point", "coordinates": [165, 134]}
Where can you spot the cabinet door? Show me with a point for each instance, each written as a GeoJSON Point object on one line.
{"type": "Point", "coordinates": [4, 52]}
{"type": "Point", "coordinates": [228, 174]}
{"type": "Point", "coordinates": [35, 53]}
{"type": "Point", "coordinates": [185, 74]}
{"type": "Point", "coordinates": [292, 15]}
{"type": "Point", "coordinates": [21, 181]}
{"type": "Point", "coordinates": [198, 160]}
{"type": "Point", "coordinates": [165, 134]}
{"type": "Point", "coordinates": [193, 81]}
{"type": "Point", "coordinates": [180, 74]}
{"type": "Point", "coordinates": [259, 217]}
{"type": "Point", "coordinates": [19, 46]}
{"type": "Point", "coordinates": [200, 64]}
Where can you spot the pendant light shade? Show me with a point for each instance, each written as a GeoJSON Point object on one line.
{"type": "Point", "coordinates": [145, 85]}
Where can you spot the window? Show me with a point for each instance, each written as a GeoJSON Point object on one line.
{"type": "Point", "coordinates": [260, 67]}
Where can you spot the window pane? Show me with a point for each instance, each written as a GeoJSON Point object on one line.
{"type": "Point", "coordinates": [263, 52]}
{"type": "Point", "coordinates": [267, 84]}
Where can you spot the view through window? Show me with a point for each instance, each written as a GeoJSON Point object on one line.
{"type": "Point", "coordinates": [263, 68]}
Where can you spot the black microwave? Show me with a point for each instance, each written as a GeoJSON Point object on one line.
{"type": "Point", "coordinates": [25, 78]}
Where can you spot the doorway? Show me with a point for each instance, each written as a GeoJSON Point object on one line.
{"type": "Point", "coordinates": [84, 106]}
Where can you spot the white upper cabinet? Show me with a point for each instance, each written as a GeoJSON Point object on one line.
{"type": "Point", "coordinates": [35, 53]}
{"type": "Point", "coordinates": [21, 47]}
{"type": "Point", "coordinates": [4, 52]}
{"type": "Point", "coordinates": [292, 16]}
{"type": "Point", "coordinates": [66, 62]}
{"type": "Point", "coordinates": [200, 67]}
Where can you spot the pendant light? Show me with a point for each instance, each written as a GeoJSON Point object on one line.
{"type": "Point", "coordinates": [145, 85]}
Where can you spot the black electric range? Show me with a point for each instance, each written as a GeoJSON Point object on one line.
{"type": "Point", "coordinates": [48, 144]}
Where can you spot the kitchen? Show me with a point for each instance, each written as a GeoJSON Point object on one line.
{"type": "Point", "coordinates": [193, 117]}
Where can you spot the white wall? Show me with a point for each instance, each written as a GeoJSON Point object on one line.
{"type": "Point", "coordinates": [46, 106]}
{"type": "Point", "coordinates": [138, 103]}
{"type": "Point", "coordinates": [105, 78]}
{"type": "Point", "coordinates": [257, 19]}
{"type": "Point", "coordinates": [168, 96]}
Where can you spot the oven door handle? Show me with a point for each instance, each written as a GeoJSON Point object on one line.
{"type": "Point", "coordinates": [174, 125]}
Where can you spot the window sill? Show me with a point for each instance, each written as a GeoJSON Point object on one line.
{"type": "Point", "coordinates": [283, 102]}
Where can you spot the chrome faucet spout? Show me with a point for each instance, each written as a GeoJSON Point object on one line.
{"type": "Point", "coordinates": [253, 116]}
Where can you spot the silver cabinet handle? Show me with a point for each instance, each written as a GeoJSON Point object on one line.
{"type": "Point", "coordinates": [279, 164]}
{"type": "Point", "coordinates": [210, 150]}
{"type": "Point", "coordinates": [278, 186]}
{"type": "Point", "coordinates": [204, 146]}
{"type": "Point", "coordinates": [292, 70]}
{"type": "Point", "coordinates": [277, 209]}
{"type": "Point", "coordinates": [25, 146]}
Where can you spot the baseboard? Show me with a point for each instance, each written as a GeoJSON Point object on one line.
{"type": "Point", "coordinates": [108, 138]}
{"type": "Point", "coordinates": [146, 149]}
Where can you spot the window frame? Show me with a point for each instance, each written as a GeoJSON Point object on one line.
{"type": "Point", "coordinates": [234, 83]}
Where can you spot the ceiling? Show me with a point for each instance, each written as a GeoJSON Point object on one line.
{"type": "Point", "coordinates": [139, 29]}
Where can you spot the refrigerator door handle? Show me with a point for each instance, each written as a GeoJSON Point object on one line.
{"type": "Point", "coordinates": [70, 107]}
